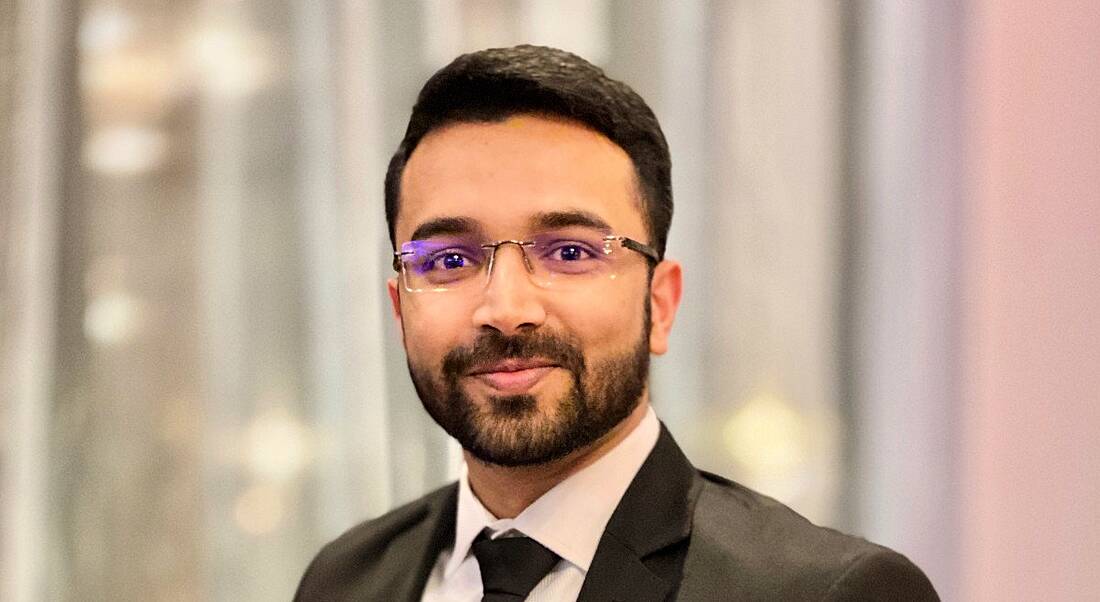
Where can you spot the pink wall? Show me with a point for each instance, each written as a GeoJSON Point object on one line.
{"type": "Point", "coordinates": [1031, 466]}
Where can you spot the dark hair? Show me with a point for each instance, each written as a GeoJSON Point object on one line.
{"type": "Point", "coordinates": [491, 85]}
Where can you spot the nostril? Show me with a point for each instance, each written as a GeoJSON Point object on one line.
{"type": "Point", "coordinates": [509, 305]}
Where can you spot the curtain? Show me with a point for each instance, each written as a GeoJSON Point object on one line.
{"type": "Point", "coordinates": [208, 381]}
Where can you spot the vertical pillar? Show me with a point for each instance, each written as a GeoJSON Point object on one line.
{"type": "Point", "coordinates": [1032, 455]}
{"type": "Point", "coordinates": [907, 192]}
{"type": "Point", "coordinates": [31, 161]}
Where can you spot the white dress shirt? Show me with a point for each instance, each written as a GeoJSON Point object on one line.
{"type": "Point", "coordinates": [569, 520]}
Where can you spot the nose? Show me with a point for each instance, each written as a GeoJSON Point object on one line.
{"type": "Point", "coordinates": [511, 301]}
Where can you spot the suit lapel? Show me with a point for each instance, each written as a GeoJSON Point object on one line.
{"type": "Point", "coordinates": [638, 557]}
{"type": "Point", "coordinates": [424, 543]}
{"type": "Point", "coordinates": [618, 574]}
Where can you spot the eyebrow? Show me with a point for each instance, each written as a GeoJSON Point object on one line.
{"type": "Point", "coordinates": [452, 226]}
{"type": "Point", "coordinates": [445, 226]}
{"type": "Point", "coordinates": [567, 219]}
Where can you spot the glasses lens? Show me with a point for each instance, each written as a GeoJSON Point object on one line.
{"type": "Point", "coordinates": [570, 256]}
{"type": "Point", "coordinates": [440, 264]}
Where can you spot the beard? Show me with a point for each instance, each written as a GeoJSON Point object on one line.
{"type": "Point", "coordinates": [510, 430]}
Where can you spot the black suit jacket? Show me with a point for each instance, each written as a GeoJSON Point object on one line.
{"type": "Point", "coordinates": [677, 534]}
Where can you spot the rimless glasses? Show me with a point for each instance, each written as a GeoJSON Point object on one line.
{"type": "Point", "coordinates": [557, 259]}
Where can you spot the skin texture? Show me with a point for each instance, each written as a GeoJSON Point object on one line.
{"type": "Point", "coordinates": [500, 176]}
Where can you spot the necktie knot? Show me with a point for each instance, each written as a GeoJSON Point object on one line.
{"type": "Point", "coordinates": [511, 566]}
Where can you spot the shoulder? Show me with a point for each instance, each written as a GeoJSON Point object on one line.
{"type": "Point", "coordinates": [737, 515]}
{"type": "Point", "coordinates": [374, 549]}
{"type": "Point", "coordinates": [769, 550]}
{"type": "Point", "coordinates": [372, 535]}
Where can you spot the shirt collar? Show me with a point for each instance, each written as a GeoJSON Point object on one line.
{"type": "Point", "coordinates": [570, 518]}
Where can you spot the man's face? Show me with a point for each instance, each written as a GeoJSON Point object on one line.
{"type": "Point", "coordinates": [518, 372]}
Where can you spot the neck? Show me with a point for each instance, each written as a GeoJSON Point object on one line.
{"type": "Point", "coordinates": [506, 490]}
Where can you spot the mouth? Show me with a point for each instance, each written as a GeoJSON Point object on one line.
{"type": "Point", "coordinates": [513, 376]}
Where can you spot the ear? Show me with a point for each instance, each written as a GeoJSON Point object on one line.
{"type": "Point", "coordinates": [664, 299]}
{"type": "Point", "coordinates": [395, 298]}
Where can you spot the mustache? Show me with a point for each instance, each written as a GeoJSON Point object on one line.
{"type": "Point", "coordinates": [492, 346]}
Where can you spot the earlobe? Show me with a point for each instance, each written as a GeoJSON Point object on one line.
{"type": "Point", "coordinates": [664, 297]}
{"type": "Point", "coordinates": [395, 298]}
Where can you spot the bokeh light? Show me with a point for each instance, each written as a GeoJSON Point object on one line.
{"type": "Point", "coordinates": [276, 445]}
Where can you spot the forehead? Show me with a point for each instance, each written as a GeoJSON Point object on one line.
{"type": "Point", "coordinates": [502, 176]}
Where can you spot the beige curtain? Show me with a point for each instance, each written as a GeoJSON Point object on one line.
{"type": "Point", "coordinates": [202, 382]}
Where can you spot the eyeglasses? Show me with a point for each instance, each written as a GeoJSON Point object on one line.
{"type": "Point", "coordinates": [559, 259]}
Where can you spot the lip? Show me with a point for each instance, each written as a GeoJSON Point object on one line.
{"type": "Point", "coordinates": [513, 376]}
{"type": "Point", "coordinates": [512, 365]}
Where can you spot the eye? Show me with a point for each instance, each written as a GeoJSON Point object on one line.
{"type": "Point", "coordinates": [451, 261]}
{"type": "Point", "coordinates": [570, 251]}
{"type": "Point", "coordinates": [448, 260]}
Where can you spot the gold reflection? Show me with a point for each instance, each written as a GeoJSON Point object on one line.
{"type": "Point", "coordinates": [276, 445]}
{"type": "Point", "coordinates": [259, 509]}
{"type": "Point", "coordinates": [112, 317]}
{"type": "Point", "coordinates": [125, 150]}
{"type": "Point", "coordinates": [229, 61]}
{"type": "Point", "coordinates": [768, 437]}
{"type": "Point", "coordinates": [135, 85]}
{"type": "Point", "coordinates": [105, 28]}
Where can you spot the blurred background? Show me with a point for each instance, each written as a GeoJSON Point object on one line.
{"type": "Point", "coordinates": [888, 214]}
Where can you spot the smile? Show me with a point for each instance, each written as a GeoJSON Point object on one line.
{"type": "Point", "coordinates": [513, 376]}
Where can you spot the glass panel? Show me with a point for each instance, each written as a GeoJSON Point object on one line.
{"type": "Point", "coordinates": [230, 391]}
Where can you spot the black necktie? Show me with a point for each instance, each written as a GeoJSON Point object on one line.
{"type": "Point", "coordinates": [511, 566]}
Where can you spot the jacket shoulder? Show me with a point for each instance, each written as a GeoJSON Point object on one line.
{"type": "Point", "coordinates": [746, 542]}
{"type": "Point", "coordinates": [376, 551]}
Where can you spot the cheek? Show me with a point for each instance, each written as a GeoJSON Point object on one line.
{"type": "Point", "coordinates": [609, 323]}
{"type": "Point", "coordinates": [430, 331]}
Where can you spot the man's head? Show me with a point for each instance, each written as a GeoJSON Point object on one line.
{"type": "Point", "coordinates": [539, 345]}
{"type": "Point", "coordinates": [490, 85]}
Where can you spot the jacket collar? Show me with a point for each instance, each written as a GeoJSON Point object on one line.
{"type": "Point", "coordinates": [654, 515]}
{"type": "Point", "coordinates": [435, 532]}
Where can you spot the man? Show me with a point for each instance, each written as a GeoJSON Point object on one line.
{"type": "Point", "coordinates": [529, 204]}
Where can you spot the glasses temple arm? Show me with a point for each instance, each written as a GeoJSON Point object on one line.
{"type": "Point", "coordinates": [642, 248]}
{"type": "Point", "coordinates": [397, 259]}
